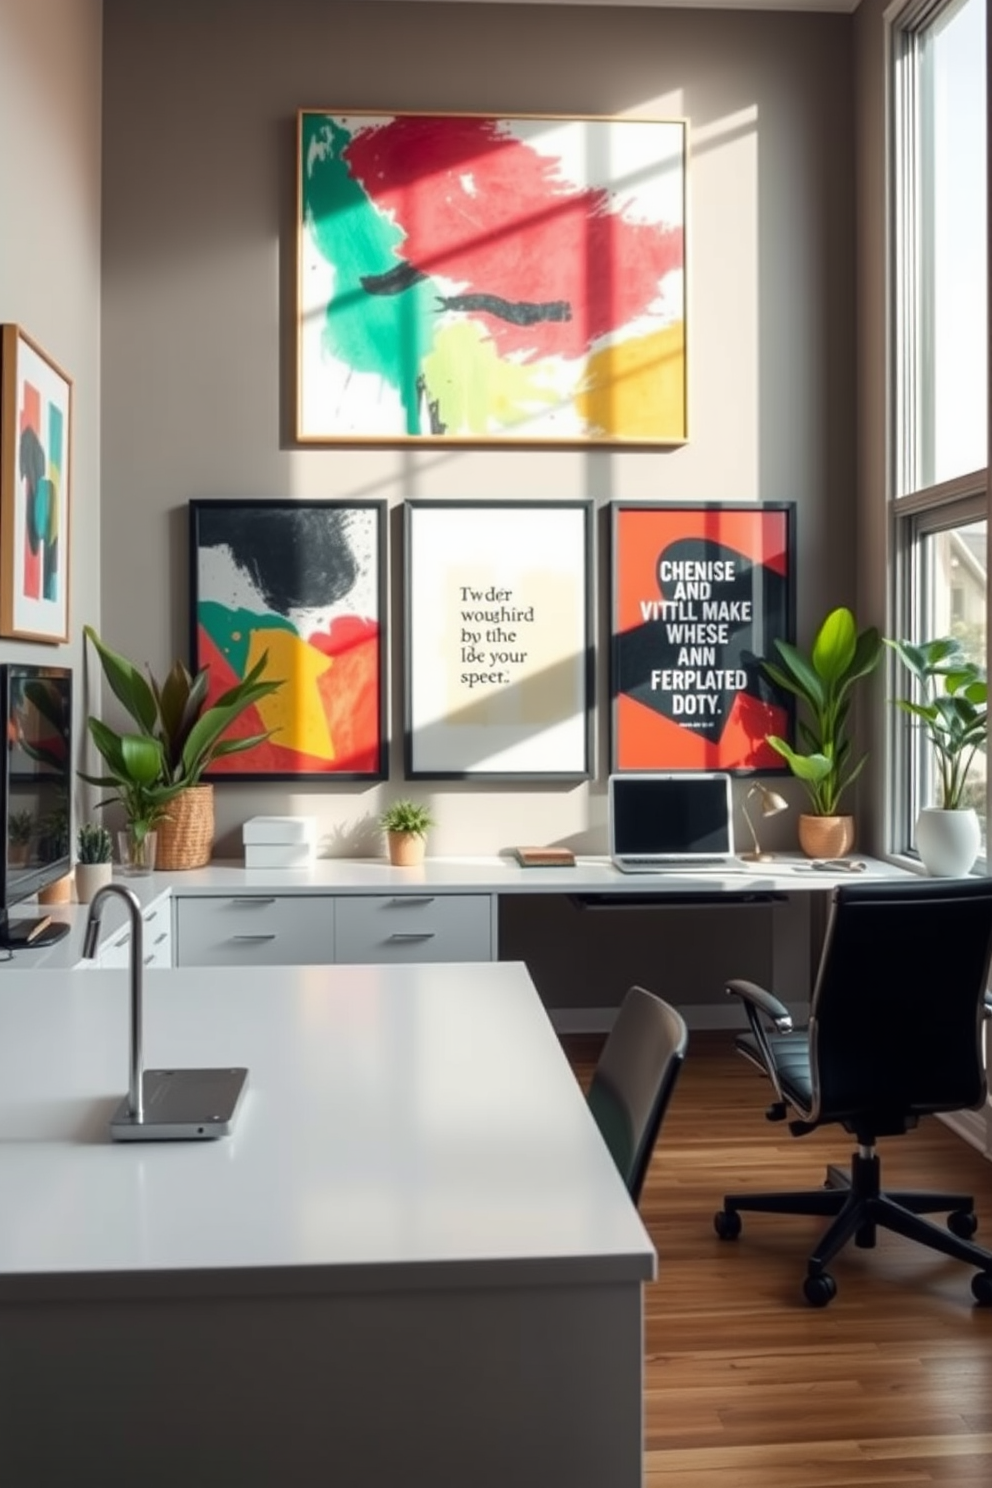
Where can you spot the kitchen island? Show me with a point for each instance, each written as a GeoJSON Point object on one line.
{"type": "Point", "coordinates": [412, 1261]}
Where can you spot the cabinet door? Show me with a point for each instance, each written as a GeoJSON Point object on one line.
{"type": "Point", "coordinates": [255, 930]}
{"type": "Point", "coordinates": [413, 927]}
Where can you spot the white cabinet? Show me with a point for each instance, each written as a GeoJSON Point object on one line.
{"type": "Point", "coordinates": [156, 938]}
{"type": "Point", "coordinates": [255, 930]}
{"type": "Point", "coordinates": [413, 927]}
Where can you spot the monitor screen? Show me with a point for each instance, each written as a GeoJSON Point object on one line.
{"type": "Point", "coordinates": [670, 815]}
{"type": "Point", "coordinates": [37, 777]}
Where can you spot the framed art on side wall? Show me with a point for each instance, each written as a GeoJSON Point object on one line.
{"type": "Point", "coordinates": [466, 277]}
{"type": "Point", "coordinates": [304, 581]}
{"type": "Point", "coordinates": [499, 639]}
{"type": "Point", "coordinates": [35, 443]}
{"type": "Point", "coordinates": [700, 595]}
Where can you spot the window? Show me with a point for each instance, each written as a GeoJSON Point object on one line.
{"type": "Point", "coordinates": [939, 356]}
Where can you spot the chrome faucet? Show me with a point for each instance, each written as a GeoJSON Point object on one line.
{"type": "Point", "coordinates": [134, 1089]}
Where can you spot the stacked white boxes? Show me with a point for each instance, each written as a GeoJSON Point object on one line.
{"type": "Point", "coordinates": [280, 841]}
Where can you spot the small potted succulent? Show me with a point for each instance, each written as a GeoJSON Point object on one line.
{"type": "Point", "coordinates": [406, 825]}
{"type": "Point", "coordinates": [94, 860]}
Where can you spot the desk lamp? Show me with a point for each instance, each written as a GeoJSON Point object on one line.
{"type": "Point", "coordinates": [770, 804]}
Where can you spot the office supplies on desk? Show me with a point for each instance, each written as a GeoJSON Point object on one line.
{"type": "Point", "coordinates": [662, 822]}
{"type": "Point", "coordinates": [544, 857]}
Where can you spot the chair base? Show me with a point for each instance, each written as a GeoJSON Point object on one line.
{"type": "Point", "coordinates": [857, 1206]}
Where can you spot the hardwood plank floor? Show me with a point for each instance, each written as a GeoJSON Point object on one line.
{"type": "Point", "coordinates": [747, 1385]}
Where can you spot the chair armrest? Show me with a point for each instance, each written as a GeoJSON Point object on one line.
{"type": "Point", "coordinates": [764, 1002]}
{"type": "Point", "coordinates": [988, 1004]}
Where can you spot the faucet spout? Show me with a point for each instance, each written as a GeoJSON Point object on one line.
{"type": "Point", "coordinates": [136, 967]}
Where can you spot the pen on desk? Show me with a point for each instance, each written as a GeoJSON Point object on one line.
{"type": "Point", "coordinates": [37, 929]}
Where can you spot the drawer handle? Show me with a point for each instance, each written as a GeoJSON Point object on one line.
{"type": "Point", "coordinates": [244, 938]}
{"type": "Point", "coordinates": [159, 938]}
{"type": "Point", "coordinates": [252, 900]}
{"type": "Point", "coordinates": [413, 935]}
{"type": "Point", "coordinates": [149, 959]}
{"type": "Point", "coordinates": [401, 899]}
{"type": "Point", "coordinates": [151, 915]}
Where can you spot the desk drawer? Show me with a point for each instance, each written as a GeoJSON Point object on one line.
{"type": "Point", "coordinates": [255, 930]}
{"type": "Point", "coordinates": [156, 936]}
{"type": "Point", "coordinates": [413, 927]}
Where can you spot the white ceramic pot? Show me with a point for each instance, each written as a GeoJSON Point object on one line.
{"type": "Point", "coordinates": [90, 877]}
{"type": "Point", "coordinates": [948, 841]}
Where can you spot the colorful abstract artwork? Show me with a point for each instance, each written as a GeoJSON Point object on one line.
{"type": "Point", "coordinates": [700, 594]}
{"type": "Point", "coordinates": [467, 277]}
{"type": "Point", "coordinates": [35, 429]}
{"type": "Point", "coordinates": [304, 583]}
{"type": "Point", "coordinates": [499, 639]}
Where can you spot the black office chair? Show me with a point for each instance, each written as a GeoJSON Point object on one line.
{"type": "Point", "coordinates": [634, 1079]}
{"type": "Point", "coordinates": [894, 1034]}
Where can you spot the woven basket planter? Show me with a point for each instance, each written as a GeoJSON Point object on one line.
{"type": "Point", "coordinates": [186, 835]}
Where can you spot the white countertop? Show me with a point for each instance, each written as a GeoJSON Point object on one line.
{"type": "Point", "coordinates": [403, 1126]}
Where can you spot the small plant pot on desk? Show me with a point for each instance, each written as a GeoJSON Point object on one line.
{"type": "Point", "coordinates": [406, 849]}
{"type": "Point", "coordinates": [59, 892]}
{"type": "Point", "coordinates": [89, 878]}
{"type": "Point", "coordinates": [826, 836]}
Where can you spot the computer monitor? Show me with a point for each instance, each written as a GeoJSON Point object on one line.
{"type": "Point", "coordinates": [36, 723]}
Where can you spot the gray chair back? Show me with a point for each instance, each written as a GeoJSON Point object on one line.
{"type": "Point", "coordinates": [634, 1079]}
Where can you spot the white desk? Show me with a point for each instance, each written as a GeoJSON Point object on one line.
{"type": "Point", "coordinates": [412, 1260]}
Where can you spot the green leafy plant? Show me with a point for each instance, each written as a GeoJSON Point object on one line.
{"type": "Point", "coordinates": [407, 816]}
{"type": "Point", "coordinates": [951, 709]}
{"type": "Point", "coordinates": [93, 844]}
{"type": "Point", "coordinates": [177, 735]}
{"type": "Point", "coordinates": [823, 682]}
{"type": "Point", "coordinates": [20, 826]}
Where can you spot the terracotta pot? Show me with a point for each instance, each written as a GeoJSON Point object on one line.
{"type": "Point", "coordinates": [826, 836]}
{"type": "Point", "coordinates": [186, 835]}
{"type": "Point", "coordinates": [59, 892]}
{"type": "Point", "coordinates": [406, 849]}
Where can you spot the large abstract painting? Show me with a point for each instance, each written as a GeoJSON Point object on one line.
{"type": "Point", "coordinates": [35, 432]}
{"type": "Point", "coordinates": [484, 279]}
{"type": "Point", "coordinates": [304, 582]}
{"type": "Point", "coordinates": [499, 639]}
{"type": "Point", "coordinates": [700, 594]}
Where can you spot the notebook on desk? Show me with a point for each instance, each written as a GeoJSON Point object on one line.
{"type": "Point", "coordinates": [671, 822]}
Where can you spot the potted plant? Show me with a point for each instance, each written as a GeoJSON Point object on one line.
{"type": "Point", "coordinates": [951, 708]}
{"type": "Point", "coordinates": [20, 829]}
{"type": "Point", "coordinates": [156, 771]}
{"type": "Point", "coordinates": [94, 860]}
{"type": "Point", "coordinates": [406, 825]}
{"type": "Point", "coordinates": [823, 682]}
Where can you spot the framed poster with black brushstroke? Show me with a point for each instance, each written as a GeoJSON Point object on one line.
{"type": "Point", "coordinates": [304, 581]}
{"type": "Point", "coordinates": [499, 640]}
{"type": "Point", "coordinates": [500, 280]}
{"type": "Point", "coordinates": [700, 595]}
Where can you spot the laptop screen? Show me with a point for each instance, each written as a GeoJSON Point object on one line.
{"type": "Point", "coordinates": [679, 815]}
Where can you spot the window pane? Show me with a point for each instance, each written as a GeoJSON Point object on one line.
{"type": "Point", "coordinates": [954, 347]}
{"type": "Point", "coordinates": [953, 595]}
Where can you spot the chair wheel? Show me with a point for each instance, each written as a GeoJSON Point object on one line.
{"type": "Point", "coordinates": [962, 1223]}
{"type": "Point", "coordinates": [981, 1288]}
{"type": "Point", "coordinates": [820, 1289]}
{"type": "Point", "coordinates": [727, 1223]}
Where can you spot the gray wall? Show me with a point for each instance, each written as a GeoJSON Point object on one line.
{"type": "Point", "coordinates": [200, 98]}
{"type": "Point", "coordinates": [50, 93]}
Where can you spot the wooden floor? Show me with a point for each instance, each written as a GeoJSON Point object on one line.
{"type": "Point", "coordinates": [749, 1387]}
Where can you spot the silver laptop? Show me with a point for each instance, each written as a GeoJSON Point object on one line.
{"type": "Point", "coordinates": [662, 822]}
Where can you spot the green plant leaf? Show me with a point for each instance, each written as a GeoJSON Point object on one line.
{"type": "Point", "coordinates": [796, 674]}
{"type": "Point", "coordinates": [126, 682]}
{"type": "Point", "coordinates": [835, 645]}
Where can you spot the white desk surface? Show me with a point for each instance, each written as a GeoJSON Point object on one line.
{"type": "Point", "coordinates": [790, 872]}
{"type": "Point", "coordinates": [403, 1127]}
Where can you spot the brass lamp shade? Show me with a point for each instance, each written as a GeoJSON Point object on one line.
{"type": "Point", "coordinates": [770, 803]}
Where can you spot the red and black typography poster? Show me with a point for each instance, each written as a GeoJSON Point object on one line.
{"type": "Point", "coordinates": [700, 594]}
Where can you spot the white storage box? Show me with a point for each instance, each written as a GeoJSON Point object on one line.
{"type": "Point", "coordinates": [280, 829]}
{"type": "Point", "coordinates": [278, 854]}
